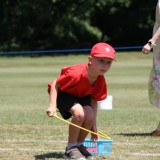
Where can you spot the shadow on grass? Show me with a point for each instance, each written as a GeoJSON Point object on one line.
{"type": "Point", "coordinates": [134, 134]}
{"type": "Point", "coordinates": [57, 155]}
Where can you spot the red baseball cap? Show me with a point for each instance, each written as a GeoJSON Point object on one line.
{"type": "Point", "coordinates": [102, 49]}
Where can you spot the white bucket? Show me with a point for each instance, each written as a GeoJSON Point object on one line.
{"type": "Point", "coordinates": [105, 104]}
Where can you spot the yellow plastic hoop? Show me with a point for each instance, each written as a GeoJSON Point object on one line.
{"type": "Point", "coordinates": [100, 134]}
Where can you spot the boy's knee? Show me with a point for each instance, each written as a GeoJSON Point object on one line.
{"type": "Point", "coordinates": [78, 113]}
{"type": "Point", "coordinates": [80, 117]}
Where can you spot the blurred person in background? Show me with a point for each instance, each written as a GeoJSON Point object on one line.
{"type": "Point", "coordinates": [154, 80]}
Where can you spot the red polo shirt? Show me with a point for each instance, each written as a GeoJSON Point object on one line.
{"type": "Point", "coordinates": [74, 80]}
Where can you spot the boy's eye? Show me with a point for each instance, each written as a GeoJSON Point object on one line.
{"type": "Point", "coordinates": [104, 62]}
{"type": "Point", "coordinates": [101, 60]}
{"type": "Point", "coordinates": [108, 62]}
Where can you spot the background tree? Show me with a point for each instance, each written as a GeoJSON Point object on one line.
{"type": "Point", "coordinates": [58, 24]}
{"type": "Point", "coordinates": [124, 22]}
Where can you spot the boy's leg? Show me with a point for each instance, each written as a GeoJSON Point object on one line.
{"type": "Point", "coordinates": [78, 117]}
{"type": "Point", "coordinates": [88, 123]}
{"type": "Point", "coordinates": [68, 107]}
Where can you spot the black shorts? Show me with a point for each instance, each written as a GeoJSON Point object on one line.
{"type": "Point", "coordinates": [66, 101]}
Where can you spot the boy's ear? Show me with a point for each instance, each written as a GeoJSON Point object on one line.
{"type": "Point", "coordinates": [89, 58]}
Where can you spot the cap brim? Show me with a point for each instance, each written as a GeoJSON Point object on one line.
{"type": "Point", "coordinates": [104, 56]}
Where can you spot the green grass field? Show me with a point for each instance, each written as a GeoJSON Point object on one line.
{"type": "Point", "coordinates": [26, 133]}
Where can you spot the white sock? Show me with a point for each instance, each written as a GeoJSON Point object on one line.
{"type": "Point", "coordinates": [70, 145]}
{"type": "Point", "coordinates": [79, 143]}
{"type": "Point", "coordinates": [158, 128]}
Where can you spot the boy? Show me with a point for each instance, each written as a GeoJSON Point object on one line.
{"type": "Point", "coordinates": [75, 93]}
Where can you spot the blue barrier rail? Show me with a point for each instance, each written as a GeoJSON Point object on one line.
{"type": "Point", "coordinates": [65, 50]}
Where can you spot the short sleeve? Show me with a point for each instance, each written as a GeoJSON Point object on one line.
{"type": "Point", "coordinates": [66, 81]}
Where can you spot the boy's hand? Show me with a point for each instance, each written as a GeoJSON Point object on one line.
{"type": "Point", "coordinates": [51, 111]}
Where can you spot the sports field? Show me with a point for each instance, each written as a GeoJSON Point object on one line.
{"type": "Point", "coordinates": [26, 133]}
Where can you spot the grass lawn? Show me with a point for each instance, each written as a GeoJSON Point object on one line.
{"type": "Point", "coordinates": [26, 133]}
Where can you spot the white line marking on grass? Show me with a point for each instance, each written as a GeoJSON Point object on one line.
{"type": "Point", "coordinates": [51, 150]}
{"type": "Point", "coordinates": [136, 144]}
{"type": "Point", "coordinates": [145, 154]}
{"type": "Point", "coordinates": [58, 140]}
{"type": "Point", "coordinates": [27, 140]}
{"type": "Point", "coordinates": [30, 149]}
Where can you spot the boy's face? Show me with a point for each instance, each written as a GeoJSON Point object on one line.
{"type": "Point", "coordinates": [100, 65]}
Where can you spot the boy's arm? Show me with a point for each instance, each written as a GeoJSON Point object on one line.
{"type": "Point", "coordinates": [94, 127]}
{"type": "Point", "coordinates": [52, 100]}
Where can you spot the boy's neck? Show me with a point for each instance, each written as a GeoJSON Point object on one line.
{"type": "Point", "coordinates": [91, 77]}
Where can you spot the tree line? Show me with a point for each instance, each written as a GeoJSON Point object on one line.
{"type": "Point", "coordinates": [63, 24]}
